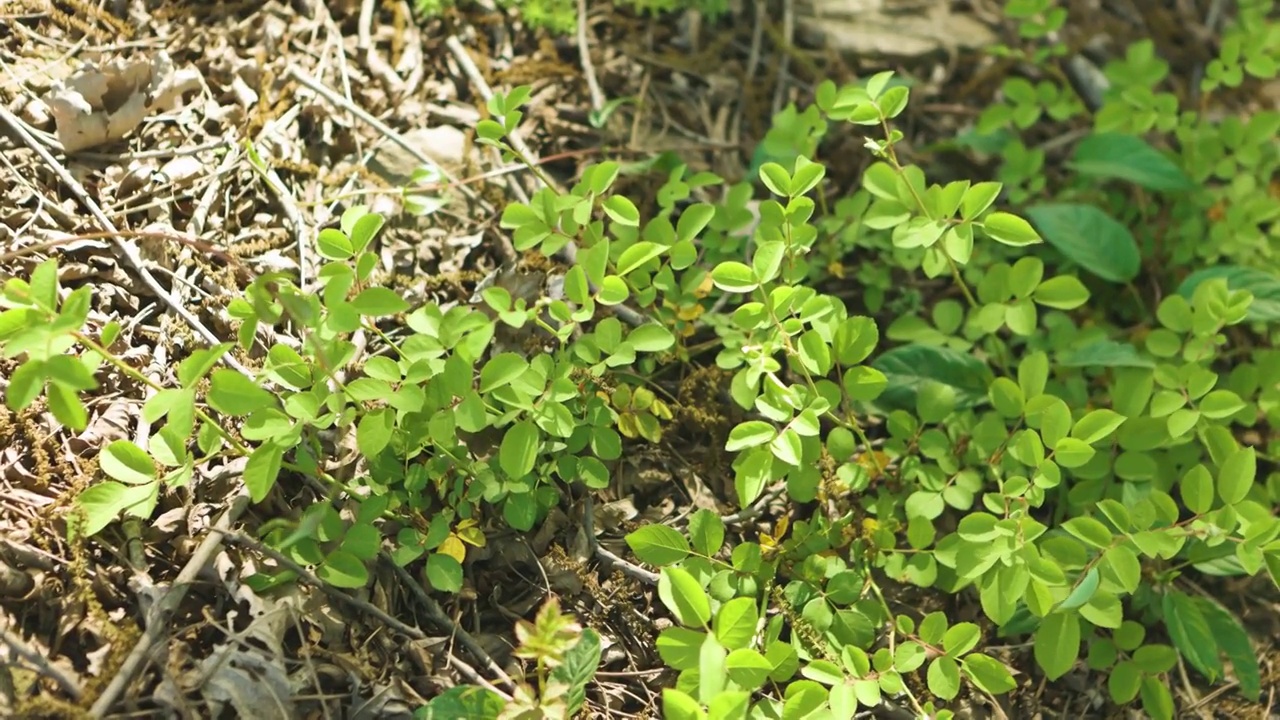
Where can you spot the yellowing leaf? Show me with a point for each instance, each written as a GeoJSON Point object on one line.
{"type": "Point", "coordinates": [453, 547]}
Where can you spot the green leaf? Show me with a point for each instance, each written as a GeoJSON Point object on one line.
{"type": "Point", "coordinates": [1124, 682]}
{"type": "Point", "coordinates": [519, 450]}
{"type": "Point", "coordinates": [748, 668]}
{"type": "Point", "coordinates": [910, 367]}
{"type": "Point", "coordinates": [855, 340]}
{"type": "Point", "coordinates": [1083, 591]}
{"type": "Point", "coordinates": [679, 705]}
{"type": "Point", "coordinates": [1033, 374]}
{"type": "Point", "coordinates": [1129, 158]}
{"type": "Point", "coordinates": [1069, 452]}
{"type": "Point", "coordinates": [734, 277]}
{"type": "Point", "coordinates": [578, 667]}
{"type": "Point", "coordinates": [1097, 425]}
{"type": "Point", "coordinates": [1006, 397]}
{"type": "Point", "coordinates": [729, 705]}
{"type": "Point", "coordinates": [1235, 477]}
{"type": "Point", "coordinates": [943, 677]}
{"type": "Point", "coordinates": [881, 180]}
{"type": "Point", "coordinates": [127, 463]}
{"type": "Point", "coordinates": [1105, 354]}
{"type": "Point", "coordinates": [706, 531]}
{"type": "Point", "coordinates": [234, 394]}
{"type": "Point", "coordinates": [1091, 238]}
{"type": "Point", "coordinates": [1009, 229]}
{"type": "Point", "coordinates": [679, 647]}
{"type": "Point", "coordinates": [1103, 610]}
{"type": "Point", "coordinates": [501, 370]}
{"type": "Point", "coordinates": [333, 244]}
{"type": "Point", "coordinates": [1089, 530]}
{"type": "Point", "coordinates": [1196, 489]}
{"type": "Point", "coordinates": [261, 470]}
{"type": "Point", "coordinates": [864, 383]}
{"type": "Point", "coordinates": [978, 198]}
{"type": "Point", "coordinates": [1064, 292]}
{"type": "Point", "coordinates": [1234, 641]}
{"type": "Point", "coordinates": [684, 597]}
{"type": "Point", "coordinates": [374, 431]}
{"type": "Point", "coordinates": [201, 361]}
{"type": "Point", "coordinates": [1057, 644]}
{"type": "Point", "coordinates": [1190, 634]}
{"type": "Point", "coordinates": [637, 255]}
{"type": "Point", "coordinates": [658, 545]}
{"type": "Point", "coordinates": [444, 572]}
{"type": "Point", "coordinates": [960, 639]}
{"type": "Point", "coordinates": [1157, 700]}
{"type": "Point", "coordinates": [749, 434]}
{"type": "Point", "coordinates": [100, 505]}
{"type": "Point", "coordinates": [776, 179]}
{"type": "Point", "coordinates": [463, 702]}
{"type": "Point", "coordinates": [622, 211]}
{"type": "Point", "coordinates": [25, 385]}
{"type": "Point", "coordinates": [932, 627]}
{"type": "Point", "coordinates": [735, 623]}
{"type": "Point", "coordinates": [652, 338]}
{"type": "Point", "coordinates": [379, 301]}
{"type": "Point", "coordinates": [343, 569]}
{"type": "Point", "coordinates": [1125, 566]}
{"type": "Point", "coordinates": [787, 447]}
{"type": "Point", "coordinates": [693, 220]}
{"type": "Point", "coordinates": [988, 673]}
{"type": "Point", "coordinates": [1220, 404]}
{"type": "Point", "coordinates": [613, 290]}
{"type": "Point", "coordinates": [1264, 286]}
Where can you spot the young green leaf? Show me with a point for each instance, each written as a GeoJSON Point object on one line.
{"type": "Point", "coordinates": [1235, 477]}
{"type": "Point", "coordinates": [1057, 644]}
{"type": "Point", "coordinates": [1009, 229]}
{"type": "Point", "coordinates": [684, 597]}
{"type": "Point", "coordinates": [658, 545]}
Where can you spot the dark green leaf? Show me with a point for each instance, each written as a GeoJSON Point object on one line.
{"type": "Point", "coordinates": [1234, 641]}
{"type": "Point", "coordinates": [910, 367]}
{"type": "Point", "coordinates": [1129, 158]}
{"type": "Point", "coordinates": [1091, 238]}
{"type": "Point", "coordinates": [1105, 354]}
{"type": "Point", "coordinates": [1191, 634]}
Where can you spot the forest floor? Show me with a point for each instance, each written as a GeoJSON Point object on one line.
{"type": "Point", "coordinates": [155, 201]}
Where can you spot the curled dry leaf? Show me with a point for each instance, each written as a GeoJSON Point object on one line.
{"type": "Point", "coordinates": [102, 104]}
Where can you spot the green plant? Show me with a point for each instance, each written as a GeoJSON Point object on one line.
{"type": "Point", "coordinates": [1059, 461]}
{"type": "Point", "coordinates": [1222, 165]}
